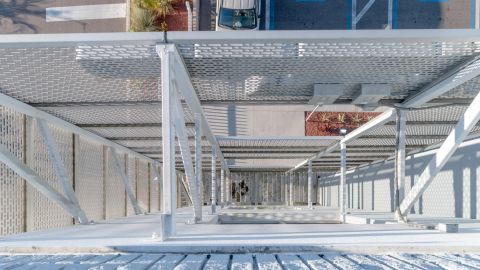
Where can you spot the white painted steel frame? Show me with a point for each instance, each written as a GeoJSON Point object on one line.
{"type": "Point", "coordinates": [198, 161]}
{"type": "Point", "coordinates": [169, 178]}
{"type": "Point", "coordinates": [214, 182]}
{"type": "Point", "coordinates": [343, 182]}
{"type": "Point", "coordinates": [309, 185]}
{"type": "Point", "coordinates": [443, 154]}
{"type": "Point", "coordinates": [126, 182]}
{"type": "Point", "coordinates": [184, 83]}
{"type": "Point", "coordinates": [400, 154]}
{"type": "Point", "coordinates": [59, 168]}
{"type": "Point", "coordinates": [37, 182]}
{"type": "Point", "coordinates": [180, 128]}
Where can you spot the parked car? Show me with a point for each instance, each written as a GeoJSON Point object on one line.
{"type": "Point", "coordinates": [238, 15]}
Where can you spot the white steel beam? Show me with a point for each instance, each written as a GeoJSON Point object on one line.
{"type": "Point", "coordinates": [364, 10]}
{"type": "Point", "coordinates": [26, 109]}
{"type": "Point", "coordinates": [169, 177]}
{"type": "Point", "coordinates": [37, 182]}
{"type": "Point", "coordinates": [309, 187]}
{"type": "Point", "coordinates": [291, 188]}
{"type": "Point", "coordinates": [222, 188]}
{"type": "Point", "coordinates": [59, 168]}
{"type": "Point", "coordinates": [400, 161]}
{"type": "Point", "coordinates": [228, 192]}
{"type": "Point", "coordinates": [198, 161]}
{"type": "Point", "coordinates": [182, 78]}
{"type": "Point", "coordinates": [443, 154]}
{"type": "Point", "coordinates": [181, 130]}
{"type": "Point", "coordinates": [126, 181]}
{"type": "Point", "coordinates": [214, 182]}
{"type": "Point", "coordinates": [343, 181]}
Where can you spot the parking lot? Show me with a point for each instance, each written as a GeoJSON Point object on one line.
{"type": "Point", "coordinates": [337, 14]}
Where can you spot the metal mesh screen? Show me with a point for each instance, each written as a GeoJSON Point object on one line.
{"type": "Point", "coordinates": [154, 189]}
{"type": "Point", "coordinates": [89, 181]}
{"type": "Point", "coordinates": [143, 184]}
{"type": "Point", "coordinates": [12, 187]}
{"type": "Point", "coordinates": [114, 188]}
{"type": "Point", "coordinates": [132, 176]}
{"type": "Point", "coordinates": [41, 212]}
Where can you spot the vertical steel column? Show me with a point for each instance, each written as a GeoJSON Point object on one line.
{"type": "Point", "coordinates": [214, 181]}
{"type": "Point", "coordinates": [291, 189]}
{"type": "Point", "coordinates": [169, 177]}
{"type": "Point", "coordinates": [309, 183]}
{"type": "Point", "coordinates": [390, 14]}
{"type": "Point", "coordinates": [343, 181]}
{"type": "Point", "coordinates": [399, 163]}
{"type": "Point", "coordinates": [222, 187]}
{"type": "Point", "coordinates": [228, 192]}
{"type": "Point", "coordinates": [443, 154]}
{"type": "Point", "coordinates": [198, 163]}
{"type": "Point", "coordinates": [354, 14]}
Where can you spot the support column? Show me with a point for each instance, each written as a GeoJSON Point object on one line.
{"type": "Point", "coordinates": [214, 181]}
{"type": "Point", "coordinates": [169, 177]}
{"type": "Point", "coordinates": [198, 163]}
{"type": "Point", "coordinates": [400, 163]}
{"type": "Point", "coordinates": [291, 189]}
{"type": "Point", "coordinates": [443, 154]}
{"type": "Point", "coordinates": [228, 192]}
{"type": "Point", "coordinates": [309, 188]}
{"type": "Point", "coordinates": [222, 187]}
{"type": "Point", "coordinates": [343, 181]}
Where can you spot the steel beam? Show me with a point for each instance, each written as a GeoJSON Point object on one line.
{"type": "Point", "coordinates": [198, 161]}
{"type": "Point", "coordinates": [182, 78]}
{"type": "Point", "coordinates": [343, 182]}
{"type": "Point", "coordinates": [37, 182]}
{"type": "Point", "coordinates": [228, 192]}
{"type": "Point", "coordinates": [214, 182]}
{"type": "Point", "coordinates": [443, 154]}
{"type": "Point", "coordinates": [169, 177]}
{"type": "Point", "coordinates": [26, 109]}
{"type": "Point", "coordinates": [126, 182]}
{"type": "Point", "coordinates": [309, 187]}
{"type": "Point", "coordinates": [179, 124]}
{"type": "Point", "coordinates": [222, 188]}
{"type": "Point", "coordinates": [291, 188]}
{"type": "Point", "coordinates": [59, 168]}
{"type": "Point", "coordinates": [400, 161]}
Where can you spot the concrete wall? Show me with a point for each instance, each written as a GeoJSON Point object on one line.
{"type": "Point", "coordinates": [453, 193]}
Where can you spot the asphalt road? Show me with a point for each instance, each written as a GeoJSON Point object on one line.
{"type": "Point", "coordinates": [29, 16]}
{"type": "Point", "coordinates": [336, 14]}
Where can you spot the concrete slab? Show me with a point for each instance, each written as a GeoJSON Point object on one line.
{"type": "Point", "coordinates": [133, 234]}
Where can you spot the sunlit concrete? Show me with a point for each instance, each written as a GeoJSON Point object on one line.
{"type": "Point", "coordinates": [135, 234]}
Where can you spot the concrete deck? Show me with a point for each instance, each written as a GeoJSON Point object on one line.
{"type": "Point", "coordinates": [134, 234]}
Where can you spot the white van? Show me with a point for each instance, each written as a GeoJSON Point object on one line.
{"type": "Point", "coordinates": [238, 15]}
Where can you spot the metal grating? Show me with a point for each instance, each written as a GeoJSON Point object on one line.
{"type": "Point", "coordinates": [143, 184]}
{"type": "Point", "coordinates": [12, 187]}
{"type": "Point", "coordinates": [41, 212]}
{"type": "Point", "coordinates": [132, 176]}
{"type": "Point", "coordinates": [154, 189]}
{"type": "Point", "coordinates": [89, 174]}
{"type": "Point", "coordinates": [115, 203]}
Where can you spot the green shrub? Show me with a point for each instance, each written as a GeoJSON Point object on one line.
{"type": "Point", "coordinates": [161, 7]}
{"type": "Point", "coordinates": [143, 20]}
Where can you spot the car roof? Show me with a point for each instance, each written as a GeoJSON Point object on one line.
{"type": "Point", "coordinates": [238, 4]}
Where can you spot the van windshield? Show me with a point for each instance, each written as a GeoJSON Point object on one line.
{"type": "Point", "coordinates": [238, 18]}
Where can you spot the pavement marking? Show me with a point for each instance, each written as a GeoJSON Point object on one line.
{"type": "Point", "coordinates": [86, 12]}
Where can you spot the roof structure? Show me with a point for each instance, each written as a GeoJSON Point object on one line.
{"type": "Point", "coordinates": [109, 84]}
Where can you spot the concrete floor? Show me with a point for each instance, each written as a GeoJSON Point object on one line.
{"type": "Point", "coordinates": [135, 234]}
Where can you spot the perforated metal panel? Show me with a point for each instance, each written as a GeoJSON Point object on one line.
{"type": "Point", "coordinates": [143, 184]}
{"type": "Point", "coordinates": [154, 189]}
{"type": "Point", "coordinates": [132, 177]}
{"type": "Point", "coordinates": [115, 204]}
{"type": "Point", "coordinates": [12, 187]}
{"type": "Point", "coordinates": [89, 177]}
{"type": "Point", "coordinates": [42, 213]}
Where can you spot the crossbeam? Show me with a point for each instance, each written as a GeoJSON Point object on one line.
{"type": "Point", "coordinates": [443, 154]}
{"type": "Point", "coordinates": [59, 168]}
{"type": "Point", "coordinates": [37, 182]}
